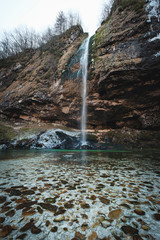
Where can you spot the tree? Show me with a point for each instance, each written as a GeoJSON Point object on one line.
{"type": "Point", "coordinates": [73, 19]}
{"type": "Point", "coordinates": [60, 24]}
{"type": "Point", "coordinates": [47, 35]}
{"type": "Point", "coordinates": [64, 22]}
{"type": "Point", "coordinates": [106, 10]}
{"type": "Point", "coordinates": [17, 41]}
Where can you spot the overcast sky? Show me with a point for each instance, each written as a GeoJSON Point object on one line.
{"type": "Point", "coordinates": [39, 14]}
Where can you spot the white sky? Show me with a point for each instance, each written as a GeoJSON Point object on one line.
{"type": "Point", "coordinates": [39, 14]}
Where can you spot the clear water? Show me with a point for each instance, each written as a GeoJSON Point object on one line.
{"type": "Point", "coordinates": [129, 180]}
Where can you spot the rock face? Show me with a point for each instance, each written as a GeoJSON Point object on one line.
{"type": "Point", "coordinates": [124, 75]}
{"type": "Point", "coordinates": [33, 88]}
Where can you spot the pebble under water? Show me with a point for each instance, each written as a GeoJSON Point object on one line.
{"type": "Point", "coordinates": [79, 195]}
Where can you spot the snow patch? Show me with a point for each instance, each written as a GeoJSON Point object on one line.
{"type": "Point", "coordinates": [157, 54]}
{"type": "Point", "coordinates": [50, 139]}
{"type": "Point", "coordinates": [155, 38]}
{"type": "Point", "coordinates": [153, 9]}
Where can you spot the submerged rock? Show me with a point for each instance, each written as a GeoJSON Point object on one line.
{"type": "Point", "coordinates": [115, 214]}
{"type": "Point", "coordinates": [106, 224]}
{"type": "Point", "coordinates": [35, 230]}
{"type": "Point", "coordinates": [10, 213]}
{"type": "Point", "coordinates": [92, 236]}
{"type": "Point", "coordinates": [104, 200]}
{"type": "Point", "coordinates": [22, 236]}
{"type": "Point", "coordinates": [25, 204]}
{"type": "Point", "coordinates": [129, 230]}
{"type": "Point", "coordinates": [59, 218]}
{"type": "Point", "coordinates": [156, 216]}
{"type": "Point", "coordinates": [6, 230]}
{"type": "Point", "coordinates": [68, 205]}
{"type": "Point", "coordinates": [2, 199]}
{"type": "Point", "coordinates": [54, 229]}
{"type": "Point", "coordinates": [139, 212]}
{"type": "Point", "coordinates": [2, 219]}
{"type": "Point", "coordinates": [49, 207]}
{"type": "Point", "coordinates": [27, 226]}
{"type": "Point", "coordinates": [85, 205]}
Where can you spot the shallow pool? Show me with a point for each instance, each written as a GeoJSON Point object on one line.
{"type": "Point", "coordinates": [79, 195]}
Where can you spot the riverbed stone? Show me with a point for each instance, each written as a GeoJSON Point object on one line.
{"type": "Point", "coordinates": [105, 223]}
{"type": "Point", "coordinates": [92, 236]}
{"type": "Point", "coordinates": [14, 192]}
{"type": "Point", "coordinates": [6, 230]}
{"type": "Point", "coordinates": [35, 230]}
{"type": "Point", "coordinates": [68, 205]}
{"type": "Point", "coordinates": [49, 207]}
{"type": "Point", "coordinates": [156, 216]}
{"type": "Point", "coordinates": [2, 219]}
{"type": "Point", "coordinates": [115, 214]}
{"type": "Point", "coordinates": [11, 213]}
{"type": "Point", "coordinates": [125, 205]}
{"type": "Point", "coordinates": [104, 200]}
{"type": "Point", "coordinates": [22, 236]}
{"type": "Point", "coordinates": [139, 212]}
{"type": "Point", "coordinates": [54, 229]}
{"type": "Point", "coordinates": [59, 211]}
{"type": "Point", "coordinates": [145, 227]}
{"type": "Point", "coordinates": [25, 204]}
{"type": "Point", "coordinates": [80, 236]}
{"type": "Point", "coordinates": [3, 199]}
{"type": "Point", "coordinates": [27, 226]}
{"type": "Point", "coordinates": [85, 205]}
{"type": "Point", "coordinates": [129, 230]}
{"type": "Point", "coordinates": [40, 210]}
{"type": "Point", "coordinates": [28, 192]}
{"type": "Point", "coordinates": [59, 218]}
{"type": "Point", "coordinates": [50, 200]}
{"type": "Point", "coordinates": [137, 237]}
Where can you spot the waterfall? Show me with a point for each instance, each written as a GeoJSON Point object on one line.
{"type": "Point", "coordinates": [80, 56]}
{"type": "Point", "coordinates": [84, 68]}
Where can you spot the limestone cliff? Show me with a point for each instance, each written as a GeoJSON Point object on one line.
{"type": "Point", "coordinates": [32, 87]}
{"type": "Point", "coordinates": [123, 86]}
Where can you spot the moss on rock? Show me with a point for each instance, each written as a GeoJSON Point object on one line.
{"type": "Point", "coordinates": [6, 132]}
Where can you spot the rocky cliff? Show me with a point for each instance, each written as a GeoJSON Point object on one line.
{"type": "Point", "coordinates": [32, 86]}
{"type": "Point", "coordinates": [123, 87]}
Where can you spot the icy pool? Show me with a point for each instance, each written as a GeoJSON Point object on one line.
{"type": "Point", "coordinates": [79, 195]}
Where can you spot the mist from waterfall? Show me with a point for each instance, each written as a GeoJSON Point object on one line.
{"type": "Point", "coordinates": [84, 68]}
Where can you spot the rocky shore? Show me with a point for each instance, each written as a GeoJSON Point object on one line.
{"type": "Point", "coordinates": [21, 135]}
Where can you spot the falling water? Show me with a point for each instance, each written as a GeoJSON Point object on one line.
{"type": "Point", "coordinates": [84, 66]}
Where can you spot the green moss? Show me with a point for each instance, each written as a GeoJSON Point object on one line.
{"type": "Point", "coordinates": [25, 132]}
{"type": "Point", "coordinates": [6, 132]}
{"type": "Point", "coordinates": [92, 138]}
{"type": "Point", "coordinates": [121, 5]}
{"type": "Point", "coordinates": [98, 37]}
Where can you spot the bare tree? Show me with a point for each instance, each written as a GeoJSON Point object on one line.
{"type": "Point", "coordinates": [22, 38]}
{"type": "Point", "coordinates": [73, 19]}
{"type": "Point", "coordinates": [47, 36]}
{"type": "Point", "coordinates": [61, 23]}
{"type": "Point", "coordinates": [106, 10]}
{"type": "Point", "coordinates": [17, 41]}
